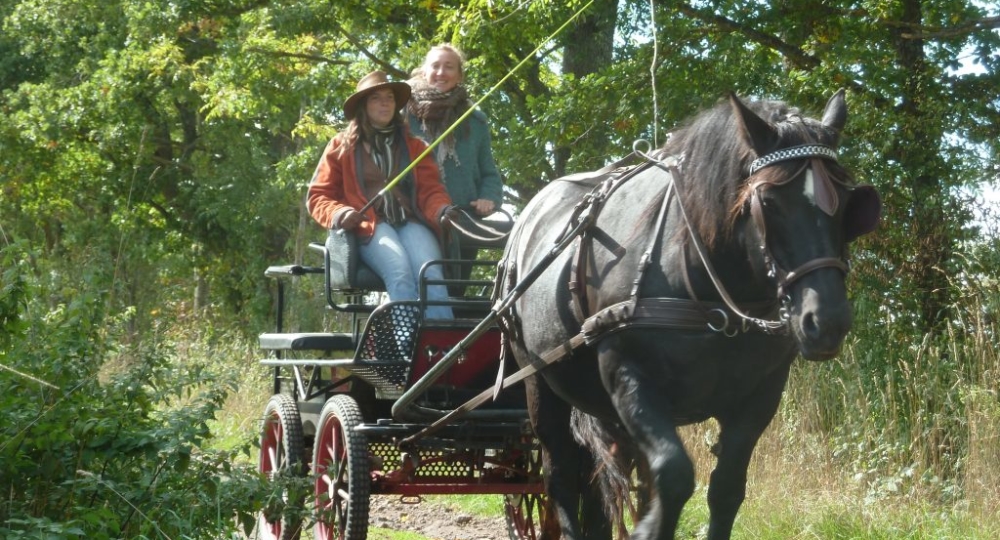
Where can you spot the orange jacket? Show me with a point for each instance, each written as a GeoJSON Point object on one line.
{"type": "Point", "coordinates": [335, 188]}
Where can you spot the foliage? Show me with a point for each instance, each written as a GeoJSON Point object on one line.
{"type": "Point", "coordinates": [154, 155]}
{"type": "Point", "coordinates": [912, 417]}
{"type": "Point", "coordinates": [228, 104]}
{"type": "Point", "coordinates": [106, 441]}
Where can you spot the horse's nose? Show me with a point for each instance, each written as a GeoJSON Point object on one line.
{"type": "Point", "coordinates": [824, 321]}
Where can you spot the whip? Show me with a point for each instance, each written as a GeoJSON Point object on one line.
{"type": "Point", "coordinates": [455, 124]}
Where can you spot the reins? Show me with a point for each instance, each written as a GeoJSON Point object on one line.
{"type": "Point", "coordinates": [652, 312]}
{"type": "Point", "coordinates": [480, 231]}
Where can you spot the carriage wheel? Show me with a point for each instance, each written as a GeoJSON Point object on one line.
{"type": "Point", "coordinates": [281, 456]}
{"type": "Point", "coordinates": [528, 514]}
{"type": "Point", "coordinates": [525, 515]}
{"type": "Point", "coordinates": [341, 468]}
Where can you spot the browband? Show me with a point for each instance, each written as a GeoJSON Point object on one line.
{"type": "Point", "coordinates": [794, 152]}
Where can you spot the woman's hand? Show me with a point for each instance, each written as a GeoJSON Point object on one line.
{"type": "Point", "coordinates": [483, 207]}
{"type": "Point", "coordinates": [450, 215]}
{"type": "Point", "coordinates": [351, 219]}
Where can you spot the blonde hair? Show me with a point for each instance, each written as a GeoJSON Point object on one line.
{"type": "Point", "coordinates": [450, 48]}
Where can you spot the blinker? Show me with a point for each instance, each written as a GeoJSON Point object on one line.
{"type": "Point", "coordinates": [862, 213]}
{"type": "Point", "coordinates": [824, 194]}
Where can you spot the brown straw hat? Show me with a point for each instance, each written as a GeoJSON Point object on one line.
{"type": "Point", "coordinates": [372, 82]}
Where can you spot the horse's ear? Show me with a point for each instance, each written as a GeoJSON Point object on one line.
{"type": "Point", "coordinates": [835, 113]}
{"type": "Point", "coordinates": [759, 134]}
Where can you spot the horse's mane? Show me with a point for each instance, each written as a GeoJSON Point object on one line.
{"type": "Point", "coordinates": [716, 159]}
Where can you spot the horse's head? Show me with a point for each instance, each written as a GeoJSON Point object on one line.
{"type": "Point", "coordinates": [803, 209]}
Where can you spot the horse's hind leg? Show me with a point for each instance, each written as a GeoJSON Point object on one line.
{"type": "Point", "coordinates": [563, 460]}
{"type": "Point", "coordinates": [739, 432]}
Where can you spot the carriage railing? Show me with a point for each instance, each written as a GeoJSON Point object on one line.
{"type": "Point", "coordinates": [385, 371]}
{"type": "Point", "coordinates": [477, 304]}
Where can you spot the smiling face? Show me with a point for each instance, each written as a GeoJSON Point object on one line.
{"type": "Point", "coordinates": [443, 69]}
{"type": "Point", "coordinates": [380, 107]}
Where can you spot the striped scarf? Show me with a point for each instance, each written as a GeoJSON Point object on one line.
{"type": "Point", "coordinates": [437, 111]}
{"type": "Point", "coordinates": [383, 154]}
{"type": "Point", "coordinates": [382, 148]}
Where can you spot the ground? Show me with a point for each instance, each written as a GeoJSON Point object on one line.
{"type": "Point", "coordinates": [434, 519]}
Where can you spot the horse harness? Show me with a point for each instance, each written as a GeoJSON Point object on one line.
{"type": "Point", "coordinates": [651, 312]}
{"type": "Point", "coordinates": [677, 313]}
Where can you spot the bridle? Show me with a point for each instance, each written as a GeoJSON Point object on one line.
{"type": "Point", "coordinates": [757, 184]}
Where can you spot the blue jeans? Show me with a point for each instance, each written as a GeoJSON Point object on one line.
{"type": "Point", "coordinates": [396, 254]}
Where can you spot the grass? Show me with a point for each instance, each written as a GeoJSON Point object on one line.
{"type": "Point", "coordinates": [834, 515]}
{"type": "Point", "coordinates": [480, 505]}
{"type": "Point", "coordinates": [376, 533]}
{"type": "Point", "coordinates": [894, 440]}
{"type": "Point", "coordinates": [797, 490]}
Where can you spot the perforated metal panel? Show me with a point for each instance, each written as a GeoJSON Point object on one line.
{"type": "Point", "coordinates": [431, 462]}
{"type": "Point", "coordinates": [386, 352]}
{"type": "Point", "coordinates": [389, 380]}
{"type": "Point", "coordinates": [391, 334]}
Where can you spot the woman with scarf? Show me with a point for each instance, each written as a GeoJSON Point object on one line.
{"type": "Point", "coordinates": [464, 157]}
{"type": "Point", "coordinates": [398, 234]}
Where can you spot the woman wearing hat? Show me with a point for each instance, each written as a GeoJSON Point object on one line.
{"type": "Point", "coordinates": [398, 234]}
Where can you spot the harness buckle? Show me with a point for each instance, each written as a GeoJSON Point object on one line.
{"type": "Point", "coordinates": [723, 328]}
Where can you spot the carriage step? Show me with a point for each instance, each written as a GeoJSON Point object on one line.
{"type": "Point", "coordinates": [308, 341]}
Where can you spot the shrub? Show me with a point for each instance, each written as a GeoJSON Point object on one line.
{"type": "Point", "coordinates": [100, 439]}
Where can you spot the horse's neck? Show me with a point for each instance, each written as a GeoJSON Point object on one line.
{"type": "Point", "coordinates": [737, 267]}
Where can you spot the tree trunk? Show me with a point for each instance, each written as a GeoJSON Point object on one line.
{"type": "Point", "coordinates": [917, 151]}
{"type": "Point", "coordinates": [587, 47]}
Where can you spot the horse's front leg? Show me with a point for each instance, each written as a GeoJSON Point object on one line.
{"type": "Point", "coordinates": [739, 432]}
{"type": "Point", "coordinates": [645, 413]}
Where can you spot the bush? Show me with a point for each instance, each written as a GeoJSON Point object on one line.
{"type": "Point", "coordinates": [104, 440]}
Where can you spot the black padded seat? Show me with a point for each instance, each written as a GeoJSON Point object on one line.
{"type": "Point", "coordinates": [305, 341]}
{"type": "Point", "coordinates": [346, 269]}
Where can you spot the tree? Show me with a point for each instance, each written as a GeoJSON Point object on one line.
{"type": "Point", "coordinates": [152, 148]}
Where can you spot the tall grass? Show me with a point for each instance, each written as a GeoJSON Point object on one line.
{"type": "Point", "coordinates": [897, 438]}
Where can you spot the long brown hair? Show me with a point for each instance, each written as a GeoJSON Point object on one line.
{"type": "Point", "coordinates": [360, 128]}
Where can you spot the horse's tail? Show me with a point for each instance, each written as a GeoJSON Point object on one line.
{"type": "Point", "coordinates": [613, 466]}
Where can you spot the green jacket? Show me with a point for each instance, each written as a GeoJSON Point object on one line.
{"type": "Point", "coordinates": [475, 175]}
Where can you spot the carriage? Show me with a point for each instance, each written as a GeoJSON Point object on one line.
{"type": "Point", "coordinates": [666, 292]}
{"type": "Point", "coordinates": [343, 401]}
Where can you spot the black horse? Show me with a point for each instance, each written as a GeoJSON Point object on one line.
{"type": "Point", "coordinates": [693, 282]}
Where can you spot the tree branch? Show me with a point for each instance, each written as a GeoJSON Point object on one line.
{"type": "Point", "coordinates": [917, 31]}
{"type": "Point", "coordinates": [795, 55]}
{"type": "Point", "coordinates": [304, 56]}
{"type": "Point", "coordinates": [390, 69]}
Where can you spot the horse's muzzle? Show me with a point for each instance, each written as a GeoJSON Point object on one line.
{"type": "Point", "coordinates": [820, 322]}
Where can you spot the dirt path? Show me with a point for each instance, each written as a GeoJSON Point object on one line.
{"type": "Point", "coordinates": [434, 519]}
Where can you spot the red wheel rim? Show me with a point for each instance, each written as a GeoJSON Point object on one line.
{"type": "Point", "coordinates": [521, 510]}
{"type": "Point", "coordinates": [270, 460]}
{"type": "Point", "coordinates": [331, 480]}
